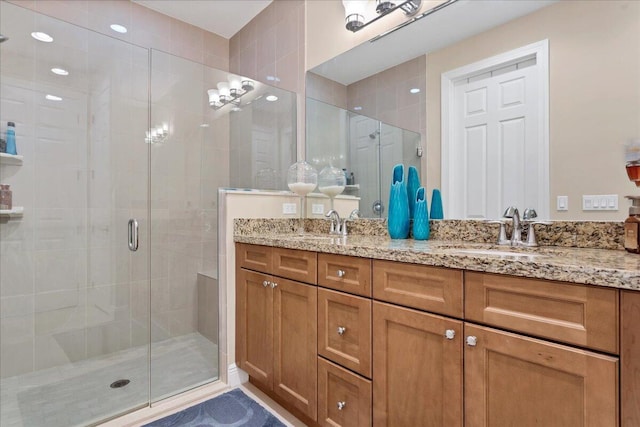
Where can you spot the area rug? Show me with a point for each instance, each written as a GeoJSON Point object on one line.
{"type": "Point", "coordinates": [233, 408]}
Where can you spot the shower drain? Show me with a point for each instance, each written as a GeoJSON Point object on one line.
{"type": "Point", "coordinates": [119, 383]}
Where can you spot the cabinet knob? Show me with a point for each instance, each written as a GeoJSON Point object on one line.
{"type": "Point", "coordinates": [450, 334]}
{"type": "Point", "coordinates": [274, 285]}
{"type": "Point", "coordinates": [341, 405]}
{"type": "Point", "coordinates": [472, 341]}
{"type": "Point", "coordinates": [341, 330]}
{"type": "Point", "coordinates": [265, 283]}
{"type": "Point", "coordinates": [341, 273]}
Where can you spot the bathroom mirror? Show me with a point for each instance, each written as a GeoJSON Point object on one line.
{"type": "Point", "coordinates": [365, 148]}
{"type": "Point", "coordinates": [593, 90]}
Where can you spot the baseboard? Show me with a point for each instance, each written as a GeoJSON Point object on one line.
{"type": "Point", "coordinates": [236, 376]}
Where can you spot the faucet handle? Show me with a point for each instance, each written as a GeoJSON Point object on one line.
{"type": "Point", "coordinates": [502, 235]}
{"type": "Point", "coordinates": [529, 214]}
{"type": "Point", "coordinates": [531, 233]}
{"type": "Point", "coordinates": [343, 229]}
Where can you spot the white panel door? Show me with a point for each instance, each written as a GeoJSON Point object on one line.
{"type": "Point", "coordinates": [496, 144]}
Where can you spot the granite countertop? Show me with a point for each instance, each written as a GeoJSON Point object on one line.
{"type": "Point", "coordinates": [602, 267]}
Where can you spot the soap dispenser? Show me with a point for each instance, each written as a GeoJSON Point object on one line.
{"type": "Point", "coordinates": [632, 225]}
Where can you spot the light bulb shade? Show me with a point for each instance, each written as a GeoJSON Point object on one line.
{"type": "Point", "coordinates": [354, 11]}
{"type": "Point", "coordinates": [384, 6]}
{"type": "Point", "coordinates": [223, 89]}
{"type": "Point", "coordinates": [214, 97]}
{"type": "Point", "coordinates": [234, 83]}
{"type": "Point", "coordinates": [247, 85]}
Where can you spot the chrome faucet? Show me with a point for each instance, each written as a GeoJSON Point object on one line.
{"type": "Point", "coordinates": [355, 214]}
{"type": "Point", "coordinates": [337, 227]}
{"type": "Point", "coordinates": [516, 233]}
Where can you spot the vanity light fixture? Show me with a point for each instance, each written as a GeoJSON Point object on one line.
{"type": "Point", "coordinates": [118, 28]}
{"type": "Point", "coordinates": [60, 71]}
{"type": "Point", "coordinates": [355, 11]}
{"type": "Point", "coordinates": [42, 37]}
{"type": "Point", "coordinates": [53, 98]}
{"type": "Point", "coordinates": [229, 92]}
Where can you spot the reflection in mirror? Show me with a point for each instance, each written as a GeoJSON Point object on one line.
{"type": "Point", "coordinates": [365, 148]}
{"type": "Point", "coordinates": [593, 94]}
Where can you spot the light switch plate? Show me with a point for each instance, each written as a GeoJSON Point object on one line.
{"type": "Point", "coordinates": [600, 202]}
{"type": "Point", "coordinates": [562, 203]}
{"type": "Point", "coordinates": [317, 208]}
{"type": "Point", "coordinates": [288, 208]}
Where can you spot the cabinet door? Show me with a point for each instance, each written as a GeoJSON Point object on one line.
{"type": "Point", "coordinates": [513, 380]}
{"type": "Point", "coordinates": [417, 369]}
{"type": "Point", "coordinates": [295, 342]}
{"type": "Point", "coordinates": [254, 325]}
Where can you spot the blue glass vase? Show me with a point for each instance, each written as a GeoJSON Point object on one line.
{"type": "Point", "coordinates": [398, 221]}
{"type": "Point", "coordinates": [421, 228]}
{"type": "Point", "coordinates": [436, 205]}
{"type": "Point", "coordinates": [413, 183]}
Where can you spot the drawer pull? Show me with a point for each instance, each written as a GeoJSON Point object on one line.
{"type": "Point", "coordinates": [266, 283]}
{"type": "Point", "coordinates": [341, 405]}
{"type": "Point", "coordinates": [341, 330]}
{"type": "Point", "coordinates": [472, 341]}
{"type": "Point", "coordinates": [341, 273]}
{"type": "Point", "coordinates": [274, 285]}
{"type": "Point", "coordinates": [450, 334]}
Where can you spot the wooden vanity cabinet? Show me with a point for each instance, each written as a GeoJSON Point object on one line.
{"type": "Point", "coordinates": [276, 328]}
{"type": "Point", "coordinates": [515, 380]}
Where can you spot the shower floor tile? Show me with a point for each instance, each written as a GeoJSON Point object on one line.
{"type": "Point", "coordinates": [79, 393]}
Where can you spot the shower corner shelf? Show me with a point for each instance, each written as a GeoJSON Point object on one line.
{"type": "Point", "coordinates": [11, 159]}
{"type": "Point", "coordinates": [16, 212]}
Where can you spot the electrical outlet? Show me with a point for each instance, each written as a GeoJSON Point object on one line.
{"type": "Point", "coordinates": [600, 202]}
{"type": "Point", "coordinates": [317, 209]}
{"type": "Point", "coordinates": [289, 208]}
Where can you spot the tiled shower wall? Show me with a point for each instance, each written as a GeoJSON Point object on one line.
{"type": "Point", "coordinates": [59, 304]}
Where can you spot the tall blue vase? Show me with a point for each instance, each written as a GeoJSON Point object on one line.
{"type": "Point", "coordinates": [436, 205]}
{"type": "Point", "coordinates": [421, 228]}
{"type": "Point", "coordinates": [398, 221]}
{"type": "Point", "coordinates": [413, 183]}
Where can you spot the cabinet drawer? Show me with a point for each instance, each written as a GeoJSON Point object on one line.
{"type": "Point", "coordinates": [434, 289]}
{"type": "Point", "coordinates": [576, 314]}
{"type": "Point", "coordinates": [344, 330]}
{"type": "Point", "coordinates": [344, 398]}
{"type": "Point", "coordinates": [345, 273]}
{"type": "Point", "coordinates": [254, 257]}
{"type": "Point", "coordinates": [295, 265]}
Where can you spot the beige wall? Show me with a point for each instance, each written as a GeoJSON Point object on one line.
{"type": "Point", "coordinates": [325, 90]}
{"type": "Point", "coordinates": [594, 94]}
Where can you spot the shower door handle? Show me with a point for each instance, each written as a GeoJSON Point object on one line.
{"type": "Point", "coordinates": [133, 235]}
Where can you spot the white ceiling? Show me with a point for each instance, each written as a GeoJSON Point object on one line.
{"type": "Point", "coordinates": [223, 17]}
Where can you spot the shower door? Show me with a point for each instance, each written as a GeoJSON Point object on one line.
{"type": "Point", "coordinates": [74, 292]}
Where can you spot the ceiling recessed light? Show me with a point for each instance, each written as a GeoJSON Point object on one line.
{"type": "Point", "coordinates": [43, 37]}
{"type": "Point", "coordinates": [53, 98]}
{"type": "Point", "coordinates": [414, 90]}
{"type": "Point", "coordinates": [271, 98]}
{"type": "Point", "coordinates": [204, 125]}
{"type": "Point", "coordinates": [119, 28]}
{"type": "Point", "coordinates": [60, 71]}
{"type": "Point", "coordinates": [236, 109]}
{"type": "Point", "coordinates": [357, 108]}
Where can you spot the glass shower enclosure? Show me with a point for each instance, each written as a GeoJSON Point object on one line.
{"type": "Point", "coordinates": [108, 257]}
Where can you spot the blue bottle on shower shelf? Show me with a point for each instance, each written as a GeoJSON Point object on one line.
{"type": "Point", "coordinates": [11, 138]}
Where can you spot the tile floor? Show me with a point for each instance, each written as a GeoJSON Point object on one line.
{"type": "Point", "coordinates": [78, 394]}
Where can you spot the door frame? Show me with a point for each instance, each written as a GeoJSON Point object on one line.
{"type": "Point", "coordinates": [538, 50]}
